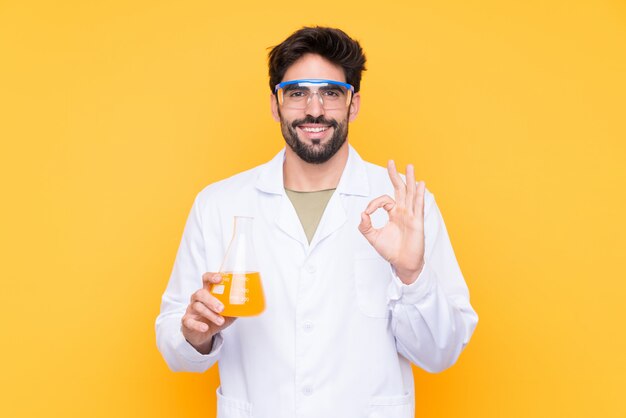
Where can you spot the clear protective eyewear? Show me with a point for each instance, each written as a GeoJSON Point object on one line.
{"type": "Point", "coordinates": [297, 94]}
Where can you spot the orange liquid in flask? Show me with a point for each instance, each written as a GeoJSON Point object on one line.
{"type": "Point", "coordinates": [241, 294]}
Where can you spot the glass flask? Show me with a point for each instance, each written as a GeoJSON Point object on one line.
{"type": "Point", "coordinates": [240, 290]}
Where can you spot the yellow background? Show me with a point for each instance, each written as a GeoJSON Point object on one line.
{"type": "Point", "coordinates": [114, 114]}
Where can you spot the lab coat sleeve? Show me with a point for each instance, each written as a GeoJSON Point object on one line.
{"type": "Point", "coordinates": [186, 278]}
{"type": "Point", "coordinates": [432, 319]}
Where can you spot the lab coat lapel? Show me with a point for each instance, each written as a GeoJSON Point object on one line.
{"type": "Point", "coordinates": [271, 181]}
{"type": "Point", "coordinates": [333, 218]}
{"type": "Point", "coordinates": [353, 182]}
{"type": "Point", "coordinates": [288, 221]}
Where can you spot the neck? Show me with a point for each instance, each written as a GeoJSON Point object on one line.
{"type": "Point", "coordinates": [301, 176]}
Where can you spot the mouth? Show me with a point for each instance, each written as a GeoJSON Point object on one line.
{"type": "Point", "coordinates": [314, 131]}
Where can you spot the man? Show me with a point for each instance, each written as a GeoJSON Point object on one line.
{"type": "Point", "coordinates": [353, 294]}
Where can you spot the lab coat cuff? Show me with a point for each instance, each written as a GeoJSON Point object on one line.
{"type": "Point", "coordinates": [410, 294]}
{"type": "Point", "coordinates": [192, 355]}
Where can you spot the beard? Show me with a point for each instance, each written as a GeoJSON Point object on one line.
{"type": "Point", "coordinates": [316, 153]}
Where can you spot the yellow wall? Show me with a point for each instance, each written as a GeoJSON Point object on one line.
{"type": "Point", "coordinates": [114, 114]}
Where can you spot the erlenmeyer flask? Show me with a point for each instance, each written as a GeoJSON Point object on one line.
{"type": "Point", "coordinates": [240, 290]}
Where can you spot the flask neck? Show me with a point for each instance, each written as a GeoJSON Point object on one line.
{"type": "Point", "coordinates": [240, 257]}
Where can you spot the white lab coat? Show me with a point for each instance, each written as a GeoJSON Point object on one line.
{"type": "Point", "coordinates": [340, 329]}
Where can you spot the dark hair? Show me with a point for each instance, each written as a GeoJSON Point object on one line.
{"type": "Point", "coordinates": [333, 44]}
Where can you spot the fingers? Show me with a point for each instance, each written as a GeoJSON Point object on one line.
{"type": "Point", "coordinates": [365, 227]}
{"type": "Point", "coordinates": [409, 195]}
{"type": "Point", "coordinates": [201, 309]}
{"type": "Point", "coordinates": [384, 201]}
{"type": "Point", "coordinates": [419, 199]}
{"type": "Point", "coordinates": [207, 299]}
{"type": "Point", "coordinates": [207, 306]}
{"type": "Point", "coordinates": [410, 187]}
{"type": "Point", "coordinates": [193, 324]}
{"type": "Point", "coordinates": [398, 185]}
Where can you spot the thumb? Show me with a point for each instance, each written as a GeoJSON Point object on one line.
{"type": "Point", "coordinates": [210, 278]}
{"type": "Point", "coordinates": [366, 228]}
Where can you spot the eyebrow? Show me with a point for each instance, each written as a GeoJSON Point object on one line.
{"type": "Point", "coordinates": [294, 87]}
{"type": "Point", "coordinates": [332, 87]}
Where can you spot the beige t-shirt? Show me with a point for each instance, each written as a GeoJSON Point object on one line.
{"type": "Point", "coordinates": [310, 207]}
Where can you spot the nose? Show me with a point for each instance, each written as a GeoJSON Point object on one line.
{"type": "Point", "coordinates": [315, 105]}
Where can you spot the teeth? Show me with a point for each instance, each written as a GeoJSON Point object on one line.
{"type": "Point", "coordinates": [314, 129]}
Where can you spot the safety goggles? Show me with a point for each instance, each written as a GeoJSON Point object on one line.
{"type": "Point", "coordinates": [297, 94]}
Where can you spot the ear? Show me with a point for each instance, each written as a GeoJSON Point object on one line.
{"type": "Point", "coordinates": [274, 107]}
{"type": "Point", "coordinates": [355, 104]}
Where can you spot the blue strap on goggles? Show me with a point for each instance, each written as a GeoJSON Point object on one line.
{"type": "Point", "coordinates": [313, 81]}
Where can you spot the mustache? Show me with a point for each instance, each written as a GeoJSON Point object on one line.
{"type": "Point", "coordinates": [318, 120]}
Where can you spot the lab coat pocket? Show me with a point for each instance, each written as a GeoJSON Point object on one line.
{"type": "Point", "coordinates": [232, 408]}
{"type": "Point", "coordinates": [391, 407]}
{"type": "Point", "coordinates": [372, 276]}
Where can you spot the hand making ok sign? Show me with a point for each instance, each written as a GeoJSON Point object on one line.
{"type": "Point", "coordinates": [401, 240]}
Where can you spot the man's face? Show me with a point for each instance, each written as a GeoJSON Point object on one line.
{"type": "Point", "coordinates": [313, 133]}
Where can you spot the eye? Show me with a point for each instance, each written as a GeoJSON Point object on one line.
{"type": "Point", "coordinates": [332, 93]}
{"type": "Point", "coordinates": [296, 93]}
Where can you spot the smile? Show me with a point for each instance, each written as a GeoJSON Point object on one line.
{"type": "Point", "coordinates": [314, 129]}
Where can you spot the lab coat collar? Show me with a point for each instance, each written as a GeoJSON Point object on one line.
{"type": "Point", "coordinates": [354, 180]}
